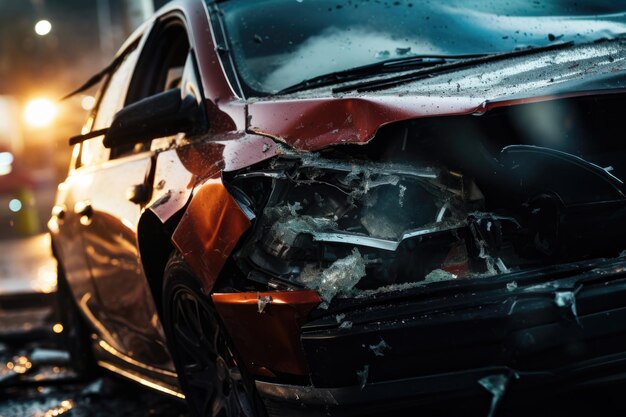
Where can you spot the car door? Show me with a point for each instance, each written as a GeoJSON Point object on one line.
{"type": "Point", "coordinates": [118, 191]}
{"type": "Point", "coordinates": [73, 212]}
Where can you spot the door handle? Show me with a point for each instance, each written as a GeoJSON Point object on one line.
{"type": "Point", "coordinates": [84, 210]}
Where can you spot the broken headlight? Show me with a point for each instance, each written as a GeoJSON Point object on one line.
{"type": "Point", "coordinates": [334, 225]}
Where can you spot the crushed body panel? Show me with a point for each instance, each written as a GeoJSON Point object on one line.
{"type": "Point", "coordinates": [270, 339]}
{"type": "Point", "coordinates": [315, 119]}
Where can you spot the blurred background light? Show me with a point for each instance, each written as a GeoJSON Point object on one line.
{"type": "Point", "coordinates": [87, 102]}
{"type": "Point", "coordinates": [6, 163]}
{"type": "Point", "coordinates": [46, 282]}
{"type": "Point", "coordinates": [40, 112]}
{"type": "Point", "coordinates": [43, 27]}
{"type": "Point", "coordinates": [15, 205]}
{"type": "Point", "coordinates": [6, 158]}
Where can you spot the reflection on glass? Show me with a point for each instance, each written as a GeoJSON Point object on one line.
{"type": "Point", "coordinates": [278, 43]}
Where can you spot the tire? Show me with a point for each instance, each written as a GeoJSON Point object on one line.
{"type": "Point", "coordinates": [76, 335]}
{"type": "Point", "coordinates": [207, 364]}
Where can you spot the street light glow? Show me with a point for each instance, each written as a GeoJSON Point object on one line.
{"type": "Point", "coordinates": [6, 163]}
{"type": "Point", "coordinates": [43, 27]}
{"type": "Point", "coordinates": [40, 112]}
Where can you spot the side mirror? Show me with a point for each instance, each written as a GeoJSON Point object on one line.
{"type": "Point", "coordinates": [154, 117]}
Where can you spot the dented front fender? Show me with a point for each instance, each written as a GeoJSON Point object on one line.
{"type": "Point", "coordinates": [209, 230]}
{"type": "Point", "coordinates": [188, 180]}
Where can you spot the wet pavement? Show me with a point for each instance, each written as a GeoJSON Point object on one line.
{"type": "Point", "coordinates": [36, 376]}
{"type": "Point", "coordinates": [102, 397]}
{"type": "Point", "coordinates": [37, 380]}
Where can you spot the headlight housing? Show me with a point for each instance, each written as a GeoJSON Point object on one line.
{"type": "Point", "coordinates": [342, 227]}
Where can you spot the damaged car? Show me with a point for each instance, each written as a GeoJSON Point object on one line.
{"type": "Point", "coordinates": [372, 206]}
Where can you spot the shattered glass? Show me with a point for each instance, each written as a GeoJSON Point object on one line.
{"type": "Point", "coordinates": [362, 375]}
{"type": "Point", "coordinates": [439, 275]}
{"type": "Point", "coordinates": [380, 348]}
{"type": "Point", "coordinates": [381, 227]}
{"type": "Point", "coordinates": [341, 276]}
{"type": "Point", "coordinates": [399, 214]}
{"type": "Point", "coordinates": [367, 210]}
{"type": "Point", "coordinates": [496, 385]}
{"type": "Point", "coordinates": [567, 301]}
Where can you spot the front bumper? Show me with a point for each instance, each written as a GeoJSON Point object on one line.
{"type": "Point", "coordinates": [537, 335]}
{"type": "Point", "coordinates": [457, 392]}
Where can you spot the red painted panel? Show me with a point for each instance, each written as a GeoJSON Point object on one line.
{"type": "Point", "coordinates": [269, 340]}
{"type": "Point", "coordinates": [209, 231]}
{"type": "Point", "coordinates": [179, 170]}
{"type": "Point", "coordinates": [317, 123]}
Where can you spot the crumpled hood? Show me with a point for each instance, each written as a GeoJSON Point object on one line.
{"type": "Point", "coordinates": [315, 119]}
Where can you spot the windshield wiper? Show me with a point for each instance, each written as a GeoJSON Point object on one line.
{"type": "Point", "coordinates": [446, 66]}
{"type": "Point", "coordinates": [389, 65]}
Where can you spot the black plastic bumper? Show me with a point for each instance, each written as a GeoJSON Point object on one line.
{"type": "Point", "coordinates": [557, 330]}
{"type": "Point", "coordinates": [458, 393]}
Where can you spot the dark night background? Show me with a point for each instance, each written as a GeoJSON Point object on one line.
{"type": "Point", "coordinates": [85, 35]}
{"type": "Point", "coordinates": [84, 38]}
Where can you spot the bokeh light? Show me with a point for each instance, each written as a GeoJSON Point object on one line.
{"type": "Point", "coordinates": [43, 27]}
{"type": "Point", "coordinates": [40, 112]}
{"type": "Point", "coordinates": [87, 102]}
{"type": "Point", "coordinates": [6, 163]}
{"type": "Point", "coordinates": [15, 205]}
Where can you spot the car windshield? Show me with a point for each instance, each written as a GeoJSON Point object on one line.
{"type": "Point", "coordinates": [278, 43]}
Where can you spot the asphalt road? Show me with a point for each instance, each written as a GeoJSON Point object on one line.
{"type": "Point", "coordinates": [37, 380]}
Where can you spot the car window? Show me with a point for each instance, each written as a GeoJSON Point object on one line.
{"type": "Point", "coordinates": [273, 50]}
{"type": "Point", "coordinates": [111, 101]}
{"type": "Point", "coordinates": [184, 78]}
{"type": "Point", "coordinates": [159, 68]}
{"type": "Point", "coordinates": [93, 152]}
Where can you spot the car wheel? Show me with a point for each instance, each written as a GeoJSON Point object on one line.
{"type": "Point", "coordinates": [76, 334]}
{"type": "Point", "coordinates": [212, 381]}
